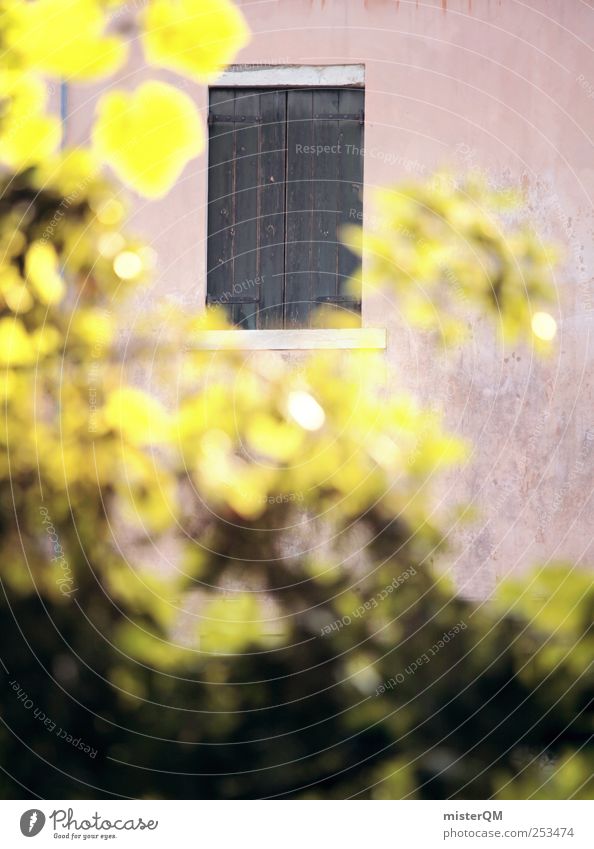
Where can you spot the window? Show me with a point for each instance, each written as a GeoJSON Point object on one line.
{"type": "Point", "coordinates": [285, 172]}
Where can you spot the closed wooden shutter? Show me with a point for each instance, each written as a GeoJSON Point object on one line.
{"type": "Point", "coordinates": [285, 171]}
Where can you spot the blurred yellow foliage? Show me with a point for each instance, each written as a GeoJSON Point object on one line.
{"type": "Point", "coordinates": [449, 250]}
{"type": "Point", "coordinates": [27, 134]}
{"type": "Point", "coordinates": [326, 431]}
{"type": "Point", "coordinates": [229, 625]}
{"type": "Point", "coordinates": [63, 38]}
{"type": "Point", "coordinates": [244, 446]}
{"type": "Point", "coordinates": [41, 267]}
{"type": "Point", "coordinates": [197, 38]}
{"type": "Point", "coordinates": [148, 136]}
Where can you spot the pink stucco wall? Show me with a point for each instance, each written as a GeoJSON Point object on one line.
{"type": "Point", "coordinates": [502, 85]}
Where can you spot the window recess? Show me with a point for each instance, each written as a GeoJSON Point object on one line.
{"type": "Point", "coordinates": [285, 173]}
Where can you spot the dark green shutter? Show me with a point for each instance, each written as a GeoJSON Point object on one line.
{"type": "Point", "coordinates": [325, 177]}
{"type": "Point", "coordinates": [272, 234]}
{"type": "Point", "coordinates": [285, 171]}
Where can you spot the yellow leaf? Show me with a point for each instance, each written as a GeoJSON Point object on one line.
{"type": "Point", "coordinates": [13, 290]}
{"type": "Point", "coordinates": [148, 136]}
{"type": "Point", "coordinates": [28, 135]}
{"type": "Point", "coordinates": [64, 38]}
{"type": "Point", "coordinates": [69, 172]}
{"type": "Point", "coordinates": [16, 347]}
{"type": "Point", "coordinates": [273, 438]}
{"type": "Point", "coordinates": [198, 38]}
{"type": "Point", "coordinates": [46, 340]}
{"type": "Point", "coordinates": [94, 327]}
{"type": "Point", "coordinates": [140, 418]}
{"type": "Point", "coordinates": [149, 648]}
{"type": "Point", "coordinates": [151, 505]}
{"type": "Point", "coordinates": [248, 489]}
{"type": "Point", "coordinates": [230, 625]}
{"type": "Point", "coordinates": [41, 266]}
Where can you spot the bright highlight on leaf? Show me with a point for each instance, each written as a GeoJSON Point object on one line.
{"type": "Point", "coordinates": [306, 411]}
{"type": "Point", "coordinates": [544, 326]}
{"type": "Point", "coordinates": [110, 244]}
{"type": "Point", "coordinates": [148, 136]}
{"type": "Point", "coordinates": [197, 38]}
{"type": "Point", "coordinates": [127, 265]}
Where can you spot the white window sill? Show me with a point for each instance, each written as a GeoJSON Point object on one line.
{"type": "Point", "coordinates": [289, 340]}
{"type": "Point", "coordinates": [326, 76]}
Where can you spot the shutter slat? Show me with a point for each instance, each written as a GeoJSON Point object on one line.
{"type": "Point", "coordinates": [221, 197]}
{"type": "Point", "coordinates": [273, 143]}
{"type": "Point", "coordinates": [325, 195]}
{"type": "Point", "coordinates": [298, 292]}
{"type": "Point", "coordinates": [351, 185]}
{"type": "Point", "coordinates": [245, 264]}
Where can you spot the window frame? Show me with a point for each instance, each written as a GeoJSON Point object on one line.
{"type": "Point", "coordinates": [290, 76]}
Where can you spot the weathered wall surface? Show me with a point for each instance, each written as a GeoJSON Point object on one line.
{"type": "Point", "coordinates": [499, 85]}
